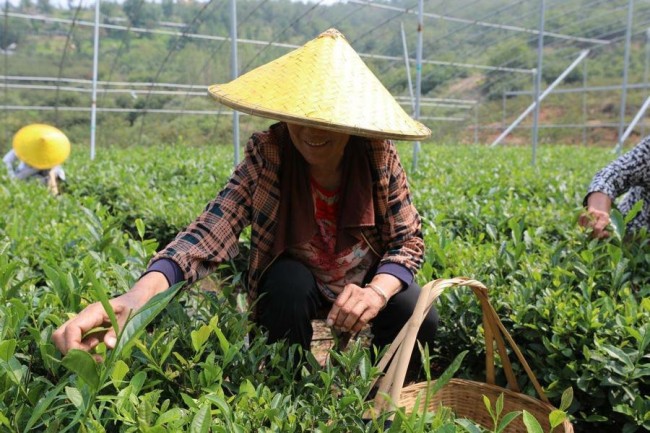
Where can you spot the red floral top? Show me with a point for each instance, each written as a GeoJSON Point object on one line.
{"type": "Point", "coordinates": [332, 270]}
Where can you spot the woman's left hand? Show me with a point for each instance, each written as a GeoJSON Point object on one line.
{"type": "Point", "coordinates": [354, 308]}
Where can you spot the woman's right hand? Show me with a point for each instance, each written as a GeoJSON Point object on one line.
{"type": "Point", "coordinates": [596, 216]}
{"type": "Point", "coordinates": [92, 325]}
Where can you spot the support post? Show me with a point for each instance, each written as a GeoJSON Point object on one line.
{"type": "Point", "coordinates": [408, 67]}
{"type": "Point", "coordinates": [234, 73]}
{"type": "Point", "coordinates": [632, 124]}
{"type": "Point", "coordinates": [503, 110]}
{"type": "Point", "coordinates": [584, 103]}
{"type": "Point", "coordinates": [418, 78]}
{"type": "Point", "coordinates": [93, 106]}
{"type": "Point", "coordinates": [544, 94]}
{"type": "Point", "coordinates": [5, 58]}
{"type": "Point", "coordinates": [476, 123]}
{"type": "Point", "coordinates": [626, 62]}
{"type": "Point", "coordinates": [538, 78]}
{"type": "Point", "coordinates": [646, 67]}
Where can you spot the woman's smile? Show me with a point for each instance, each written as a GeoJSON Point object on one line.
{"type": "Point", "coordinates": [316, 143]}
{"type": "Point", "coordinates": [322, 149]}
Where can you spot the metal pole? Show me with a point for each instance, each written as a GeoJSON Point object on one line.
{"type": "Point", "coordinates": [6, 70]}
{"type": "Point", "coordinates": [93, 106]}
{"type": "Point", "coordinates": [418, 78]}
{"type": "Point", "coordinates": [476, 123]}
{"type": "Point", "coordinates": [503, 110]}
{"type": "Point", "coordinates": [636, 119]}
{"type": "Point", "coordinates": [626, 61]}
{"type": "Point", "coordinates": [545, 93]}
{"type": "Point", "coordinates": [234, 73]}
{"type": "Point", "coordinates": [408, 66]}
{"type": "Point", "coordinates": [538, 77]}
{"type": "Point", "coordinates": [584, 103]}
{"type": "Point", "coordinates": [645, 71]}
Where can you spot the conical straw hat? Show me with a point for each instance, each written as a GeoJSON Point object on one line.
{"type": "Point", "coordinates": [41, 146]}
{"type": "Point", "coordinates": [324, 84]}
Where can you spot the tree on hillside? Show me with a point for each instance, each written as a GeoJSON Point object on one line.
{"type": "Point", "coordinates": [167, 8]}
{"type": "Point", "coordinates": [509, 54]}
{"type": "Point", "coordinates": [12, 33]}
{"type": "Point", "coordinates": [44, 6]}
{"type": "Point", "coordinates": [141, 13]}
{"type": "Point", "coordinates": [25, 5]}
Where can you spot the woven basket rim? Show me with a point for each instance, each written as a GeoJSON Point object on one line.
{"type": "Point", "coordinates": [416, 387]}
{"type": "Point", "coordinates": [477, 390]}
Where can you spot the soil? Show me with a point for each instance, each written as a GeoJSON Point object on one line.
{"type": "Point", "coordinates": [323, 340]}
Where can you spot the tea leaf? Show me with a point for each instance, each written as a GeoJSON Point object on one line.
{"type": "Point", "coordinates": [506, 420]}
{"type": "Point", "coordinates": [139, 225]}
{"type": "Point", "coordinates": [567, 398]}
{"type": "Point", "coordinates": [200, 336]}
{"type": "Point", "coordinates": [201, 422]}
{"type": "Point", "coordinates": [83, 365]}
{"type": "Point", "coordinates": [4, 420]}
{"type": "Point", "coordinates": [42, 406]}
{"type": "Point", "coordinates": [74, 395]}
{"type": "Point", "coordinates": [556, 418]}
{"type": "Point", "coordinates": [619, 354]}
{"type": "Point", "coordinates": [469, 426]}
{"type": "Point", "coordinates": [7, 349]}
{"type": "Point", "coordinates": [14, 369]}
{"type": "Point", "coordinates": [134, 327]}
{"type": "Point", "coordinates": [531, 423]}
{"type": "Point", "coordinates": [119, 371]}
{"type": "Point", "coordinates": [171, 415]}
{"type": "Point", "coordinates": [618, 223]}
{"type": "Point", "coordinates": [446, 376]}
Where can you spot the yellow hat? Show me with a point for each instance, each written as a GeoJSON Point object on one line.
{"type": "Point", "coordinates": [41, 146]}
{"type": "Point", "coordinates": [324, 84]}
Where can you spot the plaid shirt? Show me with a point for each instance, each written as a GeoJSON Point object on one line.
{"type": "Point", "coordinates": [252, 197]}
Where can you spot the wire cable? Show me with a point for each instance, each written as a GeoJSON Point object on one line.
{"type": "Point", "coordinates": [215, 50]}
{"type": "Point", "coordinates": [63, 57]}
{"type": "Point", "coordinates": [170, 53]}
{"type": "Point", "coordinates": [276, 37]}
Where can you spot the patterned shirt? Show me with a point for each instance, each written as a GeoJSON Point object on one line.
{"type": "Point", "coordinates": [389, 223]}
{"type": "Point", "coordinates": [629, 173]}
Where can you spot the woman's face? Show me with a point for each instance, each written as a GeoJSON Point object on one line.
{"type": "Point", "coordinates": [321, 148]}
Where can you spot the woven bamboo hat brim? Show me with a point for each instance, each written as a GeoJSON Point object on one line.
{"type": "Point", "coordinates": [323, 84]}
{"type": "Point", "coordinates": [41, 146]}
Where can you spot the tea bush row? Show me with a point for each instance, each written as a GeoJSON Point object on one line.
{"type": "Point", "coordinates": [577, 308]}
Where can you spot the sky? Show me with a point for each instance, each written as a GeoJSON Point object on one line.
{"type": "Point", "coordinates": [64, 3]}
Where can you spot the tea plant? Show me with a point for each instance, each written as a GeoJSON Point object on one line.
{"type": "Point", "coordinates": [577, 308]}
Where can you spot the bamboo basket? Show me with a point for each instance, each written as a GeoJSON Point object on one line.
{"type": "Point", "coordinates": [464, 397]}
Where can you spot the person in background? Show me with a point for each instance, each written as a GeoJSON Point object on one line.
{"type": "Point", "coordinates": [629, 173]}
{"type": "Point", "coordinates": [333, 226]}
{"type": "Point", "coordinates": [37, 152]}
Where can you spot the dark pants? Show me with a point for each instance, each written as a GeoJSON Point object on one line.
{"type": "Point", "coordinates": [290, 300]}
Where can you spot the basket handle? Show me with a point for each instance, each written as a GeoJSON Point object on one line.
{"type": "Point", "coordinates": [402, 347]}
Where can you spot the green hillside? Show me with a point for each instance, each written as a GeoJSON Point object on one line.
{"type": "Point", "coordinates": [463, 42]}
